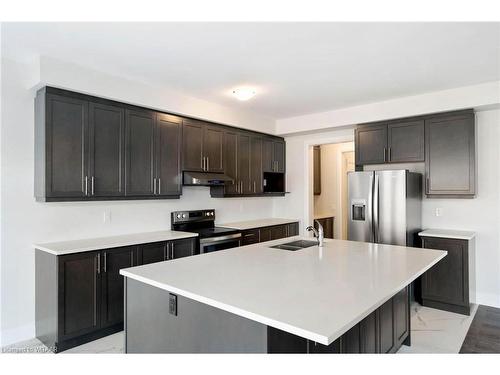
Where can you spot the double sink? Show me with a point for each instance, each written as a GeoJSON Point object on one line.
{"type": "Point", "coordinates": [295, 245]}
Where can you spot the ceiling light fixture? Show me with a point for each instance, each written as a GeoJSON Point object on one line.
{"type": "Point", "coordinates": [244, 93]}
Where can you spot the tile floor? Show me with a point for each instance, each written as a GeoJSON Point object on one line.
{"type": "Point", "coordinates": [432, 331]}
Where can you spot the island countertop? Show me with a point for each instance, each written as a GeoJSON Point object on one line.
{"type": "Point", "coordinates": [316, 293]}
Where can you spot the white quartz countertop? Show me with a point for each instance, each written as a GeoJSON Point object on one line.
{"type": "Point", "coordinates": [448, 233]}
{"type": "Point", "coordinates": [252, 224]}
{"type": "Point", "coordinates": [314, 293]}
{"type": "Point", "coordinates": [90, 244]}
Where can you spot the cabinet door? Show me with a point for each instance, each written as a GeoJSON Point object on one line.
{"type": "Point", "coordinates": [244, 164]}
{"type": "Point", "coordinates": [279, 156]}
{"type": "Point", "coordinates": [152, 253]}
{"type": "Point", "coordinates": [213, 148]}
{"type": "Point", "coordinates": [265, 234]}
{"type": "Point", "coordinates": [447, 281]}
{"type": "Point", "coordinates": [317, 170]}
{"type": "Point", "coordinates": [351, 341]}
{"type": "Point", "coordinates": [167, 150]}
{"type": "Point", "coordinates": [278, 231]}
{"type": "Point", "coordinates": [183, 248]}
{"type": "Point", "coordinates": [192, 145]}
{"type": "Point", "coordinates": [406, 141]}
{"type": "Point", "coordinates": [112, 283]}
{"type": "Point", "coordinates": [107, 150]}
{"type": "Point", "coordinates": [79, 294]}
{"type": "Point", "coordinates": [292, 229]}
{"type": "Point", "coordinates": [327, 224]}
{"type": "Point", "coordinates": [368, 334]}
{"type": "Point", "coordinates": [140, 152]}
{"type": "Point", "coordinates": [66, 146]}
{"type": "Point", "coordinates": [401, 316]}
{"type": "Point", "coordinates": [231, 161]}
{"type": "Point", "coordinates": [256, 165]}
{"type": "Point", "coordinates": [334, 347]}
{"type": "Point", "coordinates": [279, 341]}
{"type": "Point", "coordinates": [386, 327]}
{"type": "Point", "coordinates": [371, 144]}
{"type": "Point", "coordinates": [450, 155]}
{"type": "Point", "coordinates": [267, 155]}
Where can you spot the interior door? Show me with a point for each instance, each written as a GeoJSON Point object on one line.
{"type": "Point", "coordinates": [112, 283]}
{"type": "Point", "coordinates": [67, 134]}
{"type": "Point", "coordinates": [167, 150]}
{"type": "Point", "coordinates": [390, 207]}
{"type": "Point", "coordinates": [213, 148]}
{"type": "Point", "coordinates": [360, 186]}
{"type": "Point", "coordinates": [140, 152]}
{"type": "Point", "coordinates": [107, 150]}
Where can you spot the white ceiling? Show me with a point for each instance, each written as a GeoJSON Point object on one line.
{"type": "Point", "coordinates": [297, 68]}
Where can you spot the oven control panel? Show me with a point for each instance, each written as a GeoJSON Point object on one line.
{"type": "Point", "coordinates": [192, 216]}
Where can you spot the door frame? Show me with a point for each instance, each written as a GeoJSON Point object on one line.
{"type": "Point", "coordinates": [342, 210]}
{"type": "Point", "coordinates": [309, 170]}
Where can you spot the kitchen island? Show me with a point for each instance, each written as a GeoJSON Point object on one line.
{"type": "Point", "coordinates": [345, 297]}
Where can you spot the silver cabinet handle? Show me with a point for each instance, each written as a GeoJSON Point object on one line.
{"type": "Point", "coordinates": [105, 262]}
{"type": "Point", "coordinates": [389, 156]}
{"type": "Point", "coordinates": [385, 154]}
{"type": "Point", "coordinates": [165, 252]}
{"type": "Point", "coordinates": [154, 186]}
{"type": "Point", "coordinates": [86, 186]}
{"type": "Point", "coordinates": [98, 262]}
{"type": "Point", "coordinates": [241, 187]}
{"type": "Point", "coordinates": [172, 250]}
{"type": "Point", "coordinates": [254, 187]}
{"type": "Point", "coordinates": [92, 182]}
{"type": "Point", "coordinates": [208, 163]}
{"type": "Point", "coordinates": [159, 185]}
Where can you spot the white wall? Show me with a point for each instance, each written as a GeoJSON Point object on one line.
{"type": "Point", "coordinates": [481, 214]}
{"type": "Point", "coordinates": [24, 222]}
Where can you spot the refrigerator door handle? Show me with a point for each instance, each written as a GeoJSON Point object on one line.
{"type": "Point", "coordinates": [369, 210]}
{"type": "Point", "coordinates": [375, 209]}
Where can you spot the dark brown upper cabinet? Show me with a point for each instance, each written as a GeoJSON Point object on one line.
{"type": "Point", "coordinates": [243, 181]}
{"type": "Point", "coordinates": [139, 175]}
{"type": "Point", "coordinates": [61, 147]}
{"type": "Point", "coordinates": [405, 141]}
{"type": "Point", "coordinates": [450, 155]}
{"type": "Point", "coordinates": [371, 144]}
{"type": "Point", "coordinates": [256, 165]}
{"type": "Point", "coordinates": [106, 150]}
{"type": "Point", "coordinates": [273, 155]}
{"type": "Point", "coordinates": [231, 161]}
{"type": "Point", "coordinates": [167, 180]}
{"type": "Point", "coordinates": [202, 147]}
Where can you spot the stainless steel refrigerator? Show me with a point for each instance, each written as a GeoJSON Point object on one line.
{"type": "Point", "coordinates": [385, 207]}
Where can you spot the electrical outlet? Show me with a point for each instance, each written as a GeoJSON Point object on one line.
{"type": "Point", "coordinates": [172, 304]}
{"type": "Point", "coordinates": [439, 211]}
{"type": "Point", "coordinates": [106, 216]}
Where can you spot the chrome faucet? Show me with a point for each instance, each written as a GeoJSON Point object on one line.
{"type": "Point", "coordinates": [318, 233]}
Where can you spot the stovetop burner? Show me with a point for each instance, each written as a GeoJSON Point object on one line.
{"type": "Point", "coordinates": [213, 232]}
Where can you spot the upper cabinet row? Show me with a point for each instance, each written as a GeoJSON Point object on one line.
{"type": "Point", "coordinates": [88, 148]}
{"type": "Point", "coordinates": [446, 142]}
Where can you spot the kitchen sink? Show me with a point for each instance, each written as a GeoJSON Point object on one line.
{"type": "Point", "coordinates": [295, 245]}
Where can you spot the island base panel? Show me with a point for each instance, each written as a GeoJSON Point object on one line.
{"type": "Point", "coordinates": [197, 328]}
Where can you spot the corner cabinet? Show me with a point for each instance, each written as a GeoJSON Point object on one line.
{"type": "Point", "coordinates": [79, 297]}
{"type": "Point", "coordinates": [450, 156]}
{"type": "Point", "coordinates": [87, 148]}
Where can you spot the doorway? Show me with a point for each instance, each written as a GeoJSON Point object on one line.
{"type": "Point", "coordinates": [330, 165]}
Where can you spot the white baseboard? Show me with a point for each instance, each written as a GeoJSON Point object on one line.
{"type": "Point", "coordinates": [488, 299]}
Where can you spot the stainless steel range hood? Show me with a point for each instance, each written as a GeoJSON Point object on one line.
{"type": "Point", "coordinates": [205, 179]}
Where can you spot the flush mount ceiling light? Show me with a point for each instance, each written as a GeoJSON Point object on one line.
{"type": "Point", "coordinates": [244, 93]}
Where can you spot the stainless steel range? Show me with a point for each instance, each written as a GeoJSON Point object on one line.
{"type": "Point", "coordinates": [211, 238]}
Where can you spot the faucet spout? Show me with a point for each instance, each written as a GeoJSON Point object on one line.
{"type": "Point", "coordinates": [318, 233]}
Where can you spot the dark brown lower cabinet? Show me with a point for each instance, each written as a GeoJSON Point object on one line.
{"type": "Point", "coordinates": [249, 237]}
{"type": "Point", "coordinates": [383, 331]}
{"type": "Point", "coordinates": [270, 233]}
{"type": "Point", "coordinates": [446, 285]}
{"type": "Point", "coordinates": [79, 297]}
{"type": "Point", "coordinates": [327, 224]}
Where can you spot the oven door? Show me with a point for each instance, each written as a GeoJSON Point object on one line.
{"type": "Point", "coordinates": [208, 245]}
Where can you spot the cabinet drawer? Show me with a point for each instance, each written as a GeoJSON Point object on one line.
{"type": "Point", "coordinates": [249, 237]}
